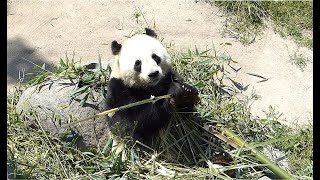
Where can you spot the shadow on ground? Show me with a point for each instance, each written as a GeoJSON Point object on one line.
{"type": "Point", "coordinates": [19, 53]}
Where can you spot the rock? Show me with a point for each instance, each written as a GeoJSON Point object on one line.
{"type": "Point", "coordinates": [277, 156]}
{"type": "Point", "coordinates": [52, 102]}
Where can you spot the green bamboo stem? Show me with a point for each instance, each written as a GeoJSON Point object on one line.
{"type": "Point", "coordinates": [114, 110]}
{"type": "Point", "coordinates": [264, 160]}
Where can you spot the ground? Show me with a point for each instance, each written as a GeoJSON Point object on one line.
{"type": "Point", "coordinates": [43, 31]}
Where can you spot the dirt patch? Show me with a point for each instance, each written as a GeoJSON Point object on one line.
{"type": "Point", "coordinates": [52, 28]}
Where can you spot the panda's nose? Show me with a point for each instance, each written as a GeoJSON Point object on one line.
{"type": "Point", "coordinates": [154, 74]}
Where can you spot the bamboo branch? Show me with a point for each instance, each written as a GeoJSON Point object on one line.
{"type": "Point", "coordinates": [236, 142]}
{"type": "Point", "coordinates": [114, 110]}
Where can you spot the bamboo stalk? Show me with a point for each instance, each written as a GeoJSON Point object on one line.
{"type": "Point", "coordinates": [264, 160]}
{"type": "Point", "coordinates": [114, 110]}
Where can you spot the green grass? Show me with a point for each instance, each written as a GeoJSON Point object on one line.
{"type": "Point", "coordinates": [299, 60]}
{"type": "Point", "coordinates": [293, 18]}
{"type": "Point", "coordinates": [246, 19]}
{"type": "Point", "coordinates": [185, 149]}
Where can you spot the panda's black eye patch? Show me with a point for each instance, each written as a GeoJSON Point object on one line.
{"type": "Point", "coordinates": [156, 58]}
{"type": "Point", "coordinates": [137, 66]}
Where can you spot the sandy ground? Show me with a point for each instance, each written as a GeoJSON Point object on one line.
{"type": "Point", "coordinates": [43, 31]}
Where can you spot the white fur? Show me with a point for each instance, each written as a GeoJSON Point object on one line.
{"type": "Point", "coordinates": [140, 47]}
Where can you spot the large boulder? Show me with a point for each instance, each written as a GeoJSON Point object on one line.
{"type": "Point", "coordinates": [52, 105]}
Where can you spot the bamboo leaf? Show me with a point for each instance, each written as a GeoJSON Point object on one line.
{"type": "Point", "coordinates": [103, 91]}
{"type": "Point", "coordinates": [98, 177]}
{"type": "Point", "coordinates": [30, 74]}
{"type": "Point", "coordinates": [263, 80]}
{"type": "Point", "coordinates": [224, 57]}
{"type": "Point", "coordinates": [84, 99]}
{"type": "Point", "coordinates": [107, 147]}
{"type": "Point", "coordinates": [256, 75]}
{"type": "Point", "coordinates": [238, 85]}
{"type": "Point", "coordinates": [205, 61]}
{"type": "Point", "coordinates": [204, 52]}
{"type": "Point", "coordinates": [80, 90]}
{"type": "Point", "coordinates": [62, 63]}
{"type": "Point", "coordinates": [214, 50]}
{"type": "Point", "coordinates": [88, 153]}
{"type": "Point", "coordinates": [197, 51]}
{"type": "Point", "coordinates": [234, 69]}
{"type": "Point", "coordinates": [245, 88]}
{"type": "Point", "coordinates": [190, 53]}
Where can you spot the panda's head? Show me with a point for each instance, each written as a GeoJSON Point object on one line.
{"type": "Point", "coordinates": [141, 61]}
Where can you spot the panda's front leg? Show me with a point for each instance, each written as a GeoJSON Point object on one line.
{"type": "Point", "coordinates": [184, 96]}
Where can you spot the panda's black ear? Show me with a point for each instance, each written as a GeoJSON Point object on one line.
{"type": "Point", "coordinates": [150, 32]}
{"type": "Point", "coordinates": [115, 47]}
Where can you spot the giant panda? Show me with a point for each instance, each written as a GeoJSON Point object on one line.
{"type": "Point", "coordinates": [142, 68]}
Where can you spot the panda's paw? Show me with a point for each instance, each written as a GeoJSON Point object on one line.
{"type": "Point", "coordinates": [189, 89]}
{"type": "Point", "coordinates": [184, 96]}
{"type": "Point", "coordinates": [182, 89]}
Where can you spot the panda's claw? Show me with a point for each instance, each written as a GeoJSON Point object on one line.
{"type": "Point", "coordinates": [185, 89]}
{"type": "Point", "coordinates": [190, 89]}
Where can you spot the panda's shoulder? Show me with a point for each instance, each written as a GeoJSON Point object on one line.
{"type": "Point", "coordinates": [115, 82]}
{"type": "Point", "coordinates": [172, 77]}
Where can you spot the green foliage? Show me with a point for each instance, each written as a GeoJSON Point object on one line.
{"type": "Point", "coordinates": [300, 151]}
{"type": "Point", "coordinates": [245, 19]}
{"type": "Point", "coordinates": [185, 150]}
{"type": "Point", "coordinates": [299, 60]}
{"type": "Point", "coordinates": [290, 18]}
{"type": "Point", "coordinates": [88, 80]}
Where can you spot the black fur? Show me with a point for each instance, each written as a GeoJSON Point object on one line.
{"type": "Point", "coordinates": [156, 58]}
{"type": "Point", "coordinates": [150, 32]}
{"type": "Point", "coordinates": [149, 117]}
{"type": "Point", "coordinates": [115, 47]}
